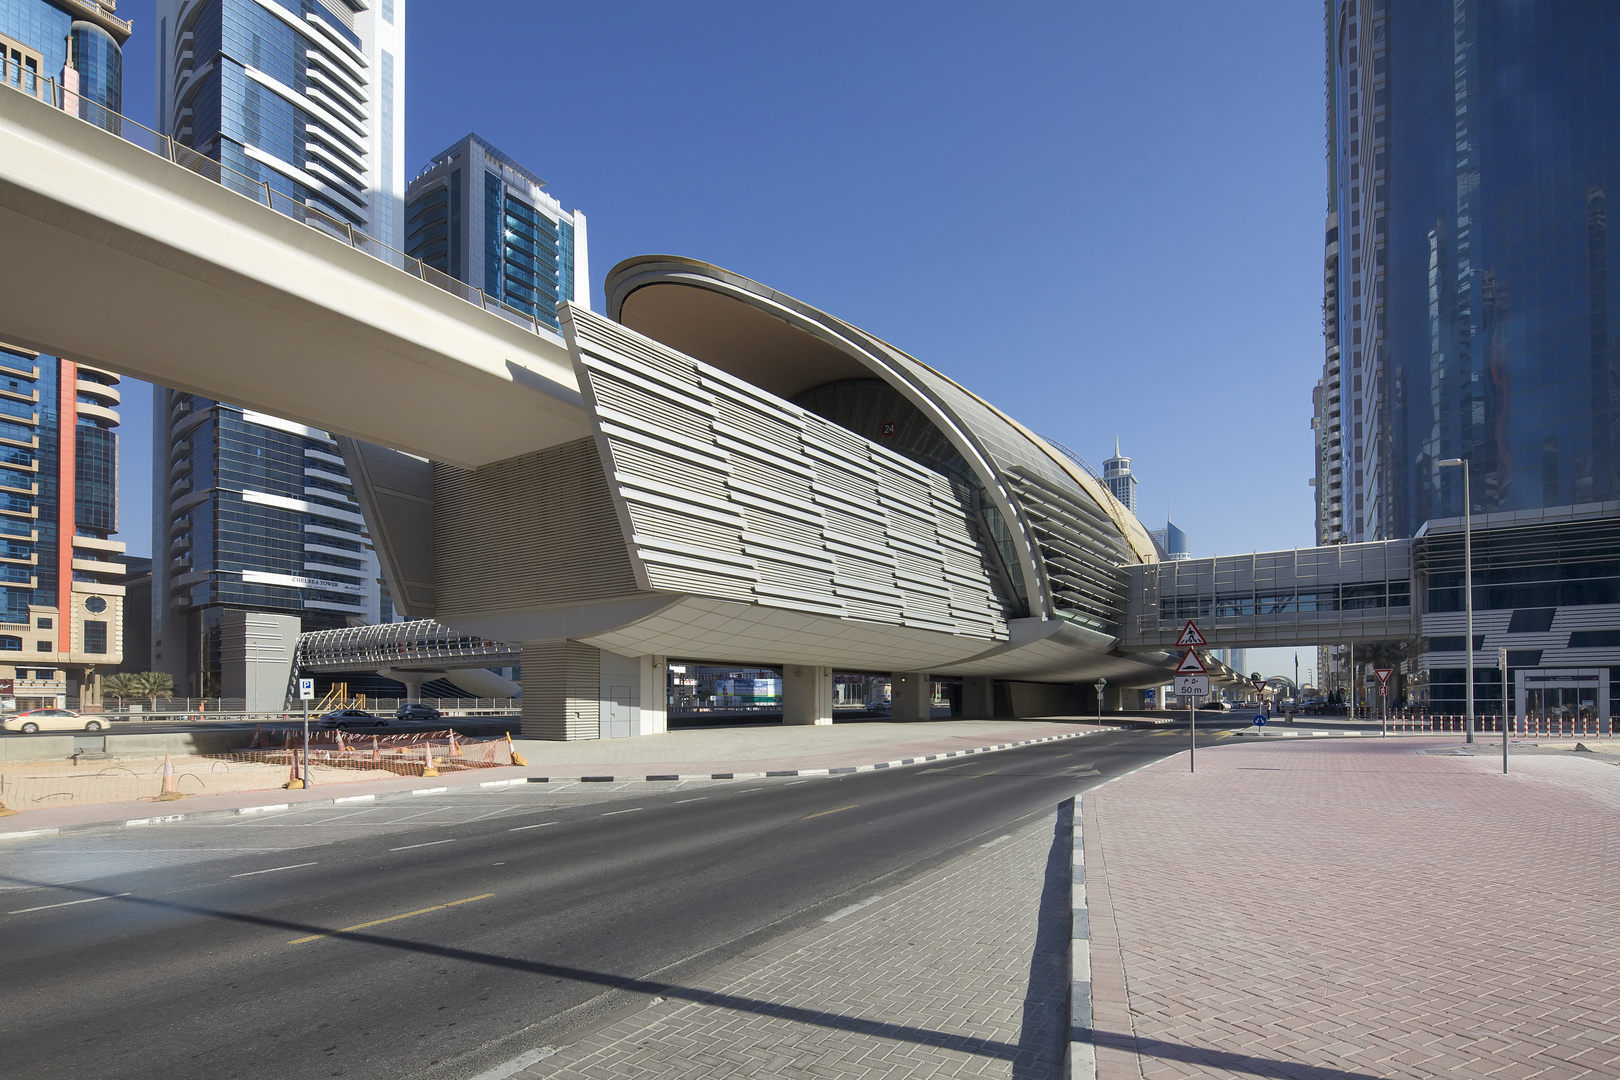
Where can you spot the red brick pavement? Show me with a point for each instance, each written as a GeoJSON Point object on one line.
{"type": "Point", "coordinates": [1348, 909]}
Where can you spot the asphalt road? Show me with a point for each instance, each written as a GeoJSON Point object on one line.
{"type": "Point", "coordinates": [441, 950]}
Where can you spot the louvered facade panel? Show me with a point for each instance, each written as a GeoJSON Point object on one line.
{"type": "Point", "coordinates": [561, 690]}
{"type": "Point", "coordinates": [759, 500]}
{"type": "Point", "coordinates": [538, 530]}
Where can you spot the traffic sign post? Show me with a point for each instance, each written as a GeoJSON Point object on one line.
{"type": "Point", "coordinates": [306, 692]}
{"type": "Point", "coordinates": [1195, 675]}
{"type": "Point", "coordinates": [1383, 674]}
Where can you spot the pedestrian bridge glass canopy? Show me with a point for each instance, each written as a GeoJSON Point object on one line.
{"type": "Point", "coordinates": [401, 646]}
{"type": "Point", "coordinates": [1343, 593]}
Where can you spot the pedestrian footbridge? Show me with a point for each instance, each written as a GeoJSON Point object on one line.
{"type": "Point", "coordinates": [1341, 594]}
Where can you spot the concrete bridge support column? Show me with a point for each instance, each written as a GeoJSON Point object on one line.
{"type": "Point", "coordinates": [978, 697]}
{"type": "Point", "coordinates": [562, 690]}
{"type": "Point", "coordinates": [413, 681]}
{"type": "Point", "coordinates": [807, 694]}
{"type": "Point", "coordinates": [912, 696]}
{"type": "Point", "coordinates": [654, 695]}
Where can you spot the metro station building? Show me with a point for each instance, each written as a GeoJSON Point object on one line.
{"type": "Point", "coordinates": [767, 484]}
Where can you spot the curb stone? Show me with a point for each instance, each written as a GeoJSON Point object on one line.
{"type": "Point", "coordinates": [390, 796]}
{"type": "Point", "coordinates": [839, 770]}
{"type": "Point", "coordinates": [1081, 1061]}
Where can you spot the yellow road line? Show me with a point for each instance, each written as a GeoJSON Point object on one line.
{"type": "Point", "coordinates": [824, 813]}
{"type": "Point", "coordinates": [391, 918]}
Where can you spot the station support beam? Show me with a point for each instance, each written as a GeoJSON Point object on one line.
{"type": "Point", "coordinates": [912, 696]}
{"type": "Point", "coordinates": [978, 697]}
{"type": "Point", "coordinates": [807, 694]}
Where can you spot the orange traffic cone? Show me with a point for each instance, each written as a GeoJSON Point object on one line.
{"type": "Point", "coordinates": [429, 769]}
{"type": "Point", "coordinates": [170, 790]}
{"type": "Point", "coordinates": [376, 751]}
{"type": "Point", "coordinates": [455, 751]}
{"type": "Point", "coordinates": [294, 781]}
{"type": "Point", "coordinates": [258, 737]}
{"type": "Point", "coordinates": [517, 758]}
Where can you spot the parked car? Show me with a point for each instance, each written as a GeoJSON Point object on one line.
{"type": "Point", "coordinates": [1213, 706]}
{"type": "Point", "coordinates": [352, 718]}
{"type": "Point", "coordinates": [50, 720]}
{"type": "Point", "coordinates": [416, 710]}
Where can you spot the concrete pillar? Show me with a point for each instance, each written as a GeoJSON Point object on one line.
{"type": "Point", "coordinates": [412, 680]}
{"type": "Point", "coordinates": [562, 690]}
{"type": "Point", "coordinates": [912, 696]}
{"type": "Point", "coordinates": [654, 694]}
{"type": "Point", "coordinates": [978, 697]}
{"type": "Point", "coordinates": [807, 694]}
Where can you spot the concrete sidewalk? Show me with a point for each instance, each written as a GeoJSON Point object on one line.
{"type": "Point", "coordinates": [709, 752]}
{"type": "Point", "coordinates": [1341, 910]}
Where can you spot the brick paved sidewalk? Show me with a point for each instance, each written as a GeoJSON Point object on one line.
{"type": "Point", "coordinates": [1346, 910]}
{"type": "Point", "coordinates": [960, 973]}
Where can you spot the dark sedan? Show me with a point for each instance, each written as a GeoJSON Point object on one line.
{"type": "Point", "coordinates": [348, 718]}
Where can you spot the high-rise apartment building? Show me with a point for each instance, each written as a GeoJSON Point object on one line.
{"type": "Point", "coordinates": [252, 513]}
{"type": "Point", "coordinates": [1472, 300]}
{"type": "Point", "coordinates": [1471, 303]}
{"type": "Point", "coordinates": [61, 609]}
{"type": "Point", "coordinates": [1117, 476]}
{"type": "Point", "coordinates": [482, 218]}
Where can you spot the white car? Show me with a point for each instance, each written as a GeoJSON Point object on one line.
{"type": "Point", "coordinates": [50, 720]}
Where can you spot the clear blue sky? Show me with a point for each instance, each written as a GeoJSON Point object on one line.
{"type": "Point", "coordinates": [1105, 218]}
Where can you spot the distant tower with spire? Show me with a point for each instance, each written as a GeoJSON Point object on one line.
{"type": "Point", "coordinates": [1117, 475]}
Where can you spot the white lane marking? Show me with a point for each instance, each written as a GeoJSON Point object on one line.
{"type": "Point", "coordinates": [67, 903]}
{"type": "Point", "coordinates": [796, 782]}
{"type": "Point", "coordinates": [700, 798]}
{"type": "Point", "coordinates": [852, 909]}
{"type": "Point", "coordinates": [632, 810]}
{"type": "Point", "coordinates": [542, 825]}
{"type": "Point", "coordinates": [430, 843]}
{"type": "Point", "coordinates": [746, 790]}
{"type": "Point", "coordinates": [945, 768]}
{"type": "Point", "coordinates": [517, 1064]}
{"type": "Point", "coordinates": [997, 840]}
{"type": "Point", "coordinates": [273, 869]}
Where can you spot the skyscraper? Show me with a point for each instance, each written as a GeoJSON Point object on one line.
{"type": "Point", "coordinates": [61, 610]}
{"type": "Point", "coordinates": [480, 217]}
{"type": "Point", "coordinates": [1469, 282]}
{"type": "Point", "coordinates": [1117, 475]}
{"type": "Point", "coordinates": [252, 513]}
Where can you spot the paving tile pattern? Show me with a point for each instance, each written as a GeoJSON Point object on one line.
{"type": "Point", "coordinates": [1339, 910]}
{"type": "Point", "coordinates": [961, 973]}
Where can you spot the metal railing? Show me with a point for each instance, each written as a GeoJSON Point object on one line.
{"type": "Point", "coordinates": [332, 225]}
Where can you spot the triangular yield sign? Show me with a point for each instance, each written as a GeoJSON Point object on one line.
{"type": "Point", "coordinates": [1190, 635]}
{"type": "Point", "coordinates": [1383, 674]}
{"type": "Point", "coordinates": [1191, 665]}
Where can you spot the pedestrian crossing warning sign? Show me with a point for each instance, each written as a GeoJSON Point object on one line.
{"type": "Point", "coordinates": [1190, 635]}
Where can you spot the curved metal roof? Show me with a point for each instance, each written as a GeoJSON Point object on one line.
{"type": "Point", "coordinates": [1069, 529]}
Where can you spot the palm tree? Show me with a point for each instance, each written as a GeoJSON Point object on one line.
{"type": "Point", "coordinates": [152, 685]}
{"type": "Point", "coordinates": [121, 685]}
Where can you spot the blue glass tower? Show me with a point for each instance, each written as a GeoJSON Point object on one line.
{"type": "Point", "coordinates": [483, 219]}
{"type": "Point", "coordinates": [253, 513]}
{"type": "Point", "coordinates": [1472, 162]}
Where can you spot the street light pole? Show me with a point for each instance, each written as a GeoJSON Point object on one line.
{"type": "Point", "coordinates": [1468, 585]}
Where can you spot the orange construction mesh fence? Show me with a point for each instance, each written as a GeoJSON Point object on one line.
{"type": "Point", "coordinates": [32, 785]}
